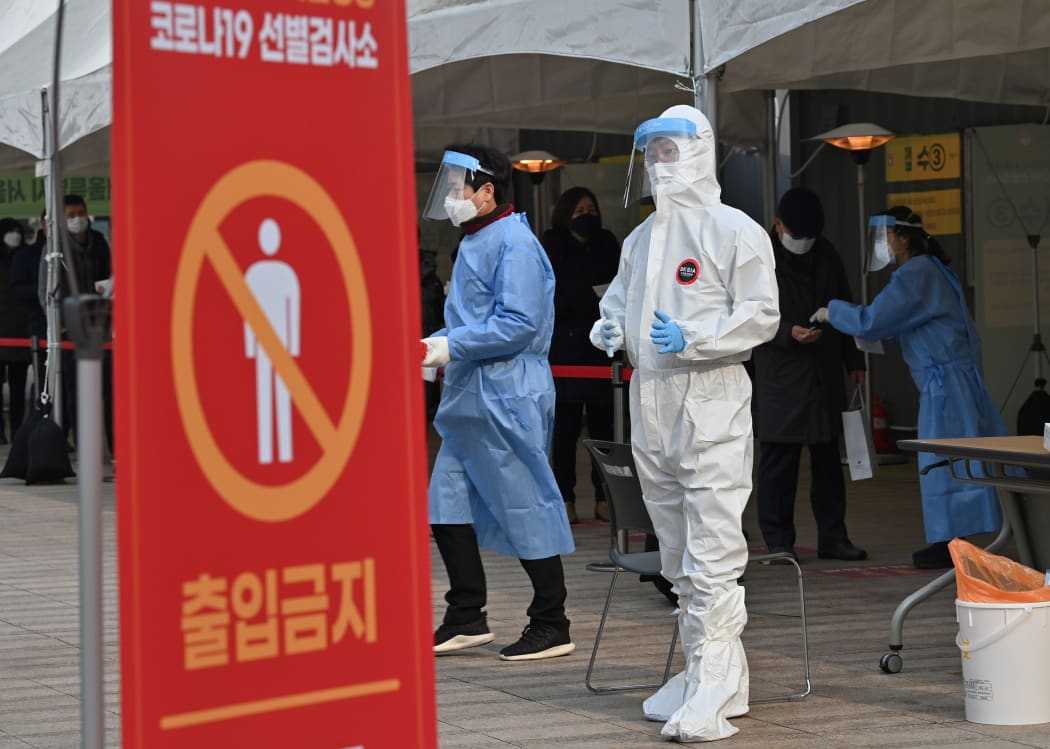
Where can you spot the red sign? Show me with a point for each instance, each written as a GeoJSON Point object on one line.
{"type": "Point", "coordinates": [274, 558]}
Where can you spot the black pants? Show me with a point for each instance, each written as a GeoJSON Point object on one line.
{"type": "Point", "coordinates": [778, 483]}
{"type": "Point", "coordinates": [15, 374]}
{"type": "Point", "coordinates": [458, 545]}
{"type": "Point", "coordinates": [568, 421]}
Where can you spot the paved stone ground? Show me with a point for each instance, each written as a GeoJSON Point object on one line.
{"type": "Point", "coordinates": [484, 702]}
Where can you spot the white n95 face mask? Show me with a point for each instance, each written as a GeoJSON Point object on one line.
{"type": "Point", "coordinates": [798, 246]}
{"type": "Point", "coordinates": [77, 224]}
{"type": "Point", "coordinates": [460, 210]}
{"type": "Point", "coordinates": [13, 239]}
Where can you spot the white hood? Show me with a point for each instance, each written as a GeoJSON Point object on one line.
{"type": "Point", "coordinates": [697, 183]}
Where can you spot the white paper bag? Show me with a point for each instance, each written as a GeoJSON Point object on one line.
{"type": "Point", "coordinates": [871, 347]}
{"type": "Point", "coordinates": [856, 430]}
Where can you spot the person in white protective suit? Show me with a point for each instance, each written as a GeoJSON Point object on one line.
{"type": "Point", "coordinates": [695, 292]}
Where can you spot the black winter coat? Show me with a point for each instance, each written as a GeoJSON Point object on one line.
{"type": "Point", "coordinates": [578, 268]}
{"type": "Point", "coordinates": [25, 274]}
{"type": "Point", "coordinates": [800, 389]}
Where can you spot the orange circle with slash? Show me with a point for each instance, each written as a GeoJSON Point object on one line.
{"type": "Point", "coordinates": [270, 502]}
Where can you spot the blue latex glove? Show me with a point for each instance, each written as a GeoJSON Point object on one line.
{"type": "Point", "coordinates": [666, 333]}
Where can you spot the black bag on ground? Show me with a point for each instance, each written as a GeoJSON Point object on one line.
{"type": "Point", "coordinates": [38, 450]}
{"type": "Point", "coordinates": [48, 459]}
{"type": "Point", "coordinates": [18, 457]}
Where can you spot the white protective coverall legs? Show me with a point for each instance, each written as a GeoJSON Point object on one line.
{"type": "Point", "coordinates": [699, 472]}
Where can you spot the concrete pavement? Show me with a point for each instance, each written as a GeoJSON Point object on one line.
{"type": "Point", "coordinates": [484, 702]}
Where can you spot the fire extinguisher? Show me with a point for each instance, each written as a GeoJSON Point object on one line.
{"type": "Point", "coordinates": [880, 429]}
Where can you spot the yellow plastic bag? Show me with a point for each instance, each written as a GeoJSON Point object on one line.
{"type": "Point", "coordinates": [983, 577]}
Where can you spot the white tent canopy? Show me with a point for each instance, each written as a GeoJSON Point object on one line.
{"type": "Point", "coordinates": [27, 36]}
{"type": "Point", "coordinates": [600, 66]}
{"type": "Point", "coordinates": [964, 49]}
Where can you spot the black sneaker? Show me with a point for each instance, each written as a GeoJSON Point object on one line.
{"type": "Point", "coordinates": [451, 637]}
{"type": "Point", "coordinates": [539, 641]}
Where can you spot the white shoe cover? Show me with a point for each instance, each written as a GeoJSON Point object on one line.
{"type": "Point", "coordinates": [662, 705]}
{"type": "Point", "coordinates": [716, 677]}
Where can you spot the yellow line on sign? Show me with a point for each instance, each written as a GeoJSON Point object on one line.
{"type": "Point", "coordinates": [273, 704]}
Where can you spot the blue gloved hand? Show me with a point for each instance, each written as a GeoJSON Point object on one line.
{"type": "Point", "coordinates": [612, 336]}
{"type": "Point", "coordinates": [666, 333]}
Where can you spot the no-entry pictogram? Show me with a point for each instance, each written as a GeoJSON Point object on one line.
{"type": "Point", "coordinates": [204, 243]}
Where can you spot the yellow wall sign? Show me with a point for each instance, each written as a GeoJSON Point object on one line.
{"type": "Point", "coordinates": [941, 210]}
{"type": "Point", "coordinates": [917, 157]}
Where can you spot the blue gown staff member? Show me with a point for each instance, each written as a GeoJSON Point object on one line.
{"type": "Point", "coordinates": [492, 485]}
{"type": "Point", "coordinates": [800, 390]}
{"type": "Point", "coordinates": [923, 310]}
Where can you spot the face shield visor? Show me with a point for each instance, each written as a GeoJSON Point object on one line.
{"type": "Point", "coordinates": [660, 160]}
{"type": "Point", "coordinates": [879, 228]}
{"type": "Point", "coordinates": [446, 196]}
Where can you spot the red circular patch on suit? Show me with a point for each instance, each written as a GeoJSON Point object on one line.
{"type": "Point", "coordinates": [688, 271]}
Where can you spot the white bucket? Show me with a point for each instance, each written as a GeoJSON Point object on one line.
{"type": "Point", "coordinates": [1005, 661]}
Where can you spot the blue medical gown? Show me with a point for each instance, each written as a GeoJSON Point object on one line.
{"type": "Point", "coordinates": [497, 406]}
{"type": "Point", "coordinates": [924, 310]}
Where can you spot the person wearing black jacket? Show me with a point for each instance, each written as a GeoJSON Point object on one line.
{"type": "Point", "coordinates": [92, 263]}
{"type": "Point", "coordinates": [584, 256]}
{"type": "Point", "coordinates": [14, 360]}
{"type": "Point", "coordinates": [799, 389]}
{"type": "Point", "coordinates": [25, 277]}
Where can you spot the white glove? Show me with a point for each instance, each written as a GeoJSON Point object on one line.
{"type": "Point", "coordinates": [612, 336]}
{"type": "Point", "coordinates": [821, 315]}
{"type": "Point", "coordinates": [437, 352]}
{"type": "Point", "coordinates": [104, 288]}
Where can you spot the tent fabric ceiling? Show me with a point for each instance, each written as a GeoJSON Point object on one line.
{"type": "Point", "coordinates": [543, 64]}
{"type": "Point", "coordinates": [641, 33]}
{"type": "Point", "coordinates": [965, 49]}
{"type": "Point", "coordinates": [541, 92]}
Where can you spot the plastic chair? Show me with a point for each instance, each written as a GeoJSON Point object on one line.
{"type": "Point", "coordinates": [627, 513]}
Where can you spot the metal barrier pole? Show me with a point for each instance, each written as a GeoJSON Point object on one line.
{"type": "Point", "coordinates": [619, 392]}
{"type": "Point", "coordinates": [88, 319]}
{"type": "Point", "coordinates": [619, 386]}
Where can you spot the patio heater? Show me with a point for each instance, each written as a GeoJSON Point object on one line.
{"type": "Point", "coordinates": [860, 139]}
{"type": "Point", "coordinates": [537, 164]}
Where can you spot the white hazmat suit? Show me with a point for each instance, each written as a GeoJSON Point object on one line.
{"type": "Point", "coordinates": [709, 268]}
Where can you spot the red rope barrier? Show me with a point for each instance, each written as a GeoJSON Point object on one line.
{"type": "Point", "coordinates": [579, 372]}
{"type": "Point", "coordinates": [26, 343]}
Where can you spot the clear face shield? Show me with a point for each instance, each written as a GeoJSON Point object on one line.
{"type": "Point", "coordinates": [657, 160]}
{"type": "Point", "coordinates": [879, 228]}
{"type": "Point", "coordinates": [447, 200]}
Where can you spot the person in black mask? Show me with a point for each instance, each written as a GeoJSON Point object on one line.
{"type": "Point", "coordinates": [585, 258]}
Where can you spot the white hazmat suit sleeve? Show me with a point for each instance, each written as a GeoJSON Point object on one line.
{"type": "Point", "coordinates": [749, 272]}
